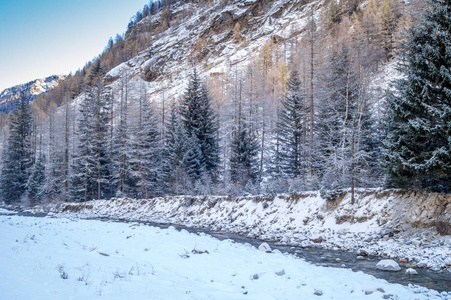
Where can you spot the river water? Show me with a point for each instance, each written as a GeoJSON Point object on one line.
{"type": "Point", "coordinates": [439, 281]}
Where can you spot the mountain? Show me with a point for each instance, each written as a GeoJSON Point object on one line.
{"type": "Point", "coordinates": [30, 89]}
{"type": "Point", "coordinates": [214, 38]}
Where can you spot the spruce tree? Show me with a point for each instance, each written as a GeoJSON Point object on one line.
{"type": "Point", "coordinates": [174, 174]}
{"type": "Point", "coordinates": [244, 156]}
{"type": "Point", "coordinates": [18, 156]}
{"type": "Point", "coordinates": [147, 145]}
{"type": "Point", "coordinates": [417, 148]}
{"type": "Point", "coordinates": [291, 128]}
{"type": "Point", "coordinates": [36, 182]}
{"type": "Point", "coordinates": [200, 123]}
{"type": "Point", "coordinates": [91, 169]}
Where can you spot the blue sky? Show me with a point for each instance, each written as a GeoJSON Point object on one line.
{"type": "Point", "coordinates": [39, 38]}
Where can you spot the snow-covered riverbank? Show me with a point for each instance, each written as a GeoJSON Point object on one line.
{"type": "Point", "coordinates": [57, 258]}
{"type": "Point", "coordinates": [397, 224]}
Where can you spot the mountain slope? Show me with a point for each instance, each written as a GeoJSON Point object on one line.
{"type": "Point", "coordinates": [30, 89]}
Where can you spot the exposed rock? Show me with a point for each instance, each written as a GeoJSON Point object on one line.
{"type": "Point", "coordinates": [195, 251]}
{"type": "Point", "coordinates": [416, 243]}
{"type": "Point", "coordinates": [255, 277]}
{"type": "Point", "coordinates": [403, 260]}
{"type": "Point", "coordinates": [265, 247]}
{"type": "Point", "coordinates": [422, 264]}
{"type": "Point", "coordinates": [317, 240]}
{"type": "Point", "coordinates": [373, 290]}
{"type": "Point", "coordinates": [318, 293]}
{"type": "Point", "coordinates": [280, 273]}
{"type": "Point", "coordinates": [363, 253]}
{"type": "Point", "coordinates": [388, 265]}
{"type": "Point", "coordinates": [411, 272]}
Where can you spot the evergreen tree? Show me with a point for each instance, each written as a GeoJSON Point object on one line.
{"type": "Point", "coordinates": [146, 141]}
{"type": "Point", "coordinates": [244, 156]}
{"type": "Point", "coordinates": [174, 175]}
{"type": "Point", "coordinates": [417, 148]}
{"type": "Point", "coordinates": [18, 156]}
{"type": "Point", "coordinates": [290, 128]}
{"type": "Point", "coordinates": [36, 182]}
{"type": "Point", "coordinates": [91, 170]}
{"type": "Point", "coordinates": [200, 123]}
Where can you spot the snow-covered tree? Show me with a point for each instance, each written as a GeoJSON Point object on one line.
{"type": "Point", "coordinates": [199, 122]}
{"type": "Point", "coordinates": [91, 169]}
{"type": "Point", "coordinates": [244, 156]}
{"type": "Point", "coordinates": [291, 129]}
{"type": "Point", "coordinates": [174, 174]}
{"type": "Point", "coordinates": [418, 145]}
{"type": "Point", "coordinates": [147, 144]}
{"type": "Point", "coordinates": [18, 156]}
{"type": "Point", "coordinates": [36, 182]}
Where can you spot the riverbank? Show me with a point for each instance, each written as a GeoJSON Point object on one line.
{"type": "Point", "coordinates": [59, 258]}
{"type": "Point", "coordinates": [407, 226]}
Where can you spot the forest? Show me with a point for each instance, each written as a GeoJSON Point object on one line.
{"type": "Point", "coordinates": [301, 116]}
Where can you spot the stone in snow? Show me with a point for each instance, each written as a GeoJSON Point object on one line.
{"type": "Point", "coordinates": [373, 290]}
{"type": "Point", "coordinates": [411, 272]}
{"type": "Point", "coordinates": [416, 243]}
{"type": "Point", "coordinates": [422, 264]}
{"type": "Point", "coordinates": [280, 273]}
{"type": "Point", "coordinates": [448, 261]}
{"type": "Point", "coordinates": [388, 265]}
{"type": "Point", "coordinates": [264, 247]}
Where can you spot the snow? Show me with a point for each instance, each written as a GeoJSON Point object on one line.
{"type": "Point", "coordinates": [297, 220]}
{"type": "Point", "coordinates": [53, 258]}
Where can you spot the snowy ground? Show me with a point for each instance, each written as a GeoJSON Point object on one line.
{"type": "Point", "coordinates": [52, 258]}
{"type": "Point", "coordinates": [386, 223]}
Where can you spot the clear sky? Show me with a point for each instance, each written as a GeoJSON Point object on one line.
{"type": "Point", "coordinates": [39, 38]}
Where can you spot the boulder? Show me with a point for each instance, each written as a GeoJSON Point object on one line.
{"type": "Point", "coordinates": [416, 243]}
{"type": "Point", "coordinates": [388, 265]}
{"type": "Point", "coordinates": [422, 264]}
{"type": "Point", "coordinates": [448, 261]}
{"type": "Point", "coordinates": [265, 247]}
{"type": "Point", "coordinates": [411, 272]}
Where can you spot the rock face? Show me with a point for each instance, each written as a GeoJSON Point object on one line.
{"type": "Point", "coordinates": [388, 265]}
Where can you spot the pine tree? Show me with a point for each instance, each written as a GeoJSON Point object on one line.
{"type": "Point", "coordinates": [36, 182]}
{"type": "Point", "coordinates": [18, 157]}
{"type": "Point", "coordinates": [91, 169]}
{"type": "Point", "coordinates": [174, 174]}
{"type": "Point", "coordinates": [147, 145]}
{"type": "Point", "coordinates": [200, 122]}
{"type": "Point", "coordinates": [417, 148]}
{"type": "Point", "coordinates": [244, 156]}
{"type": "Point", "coordinates": [291, 127]}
